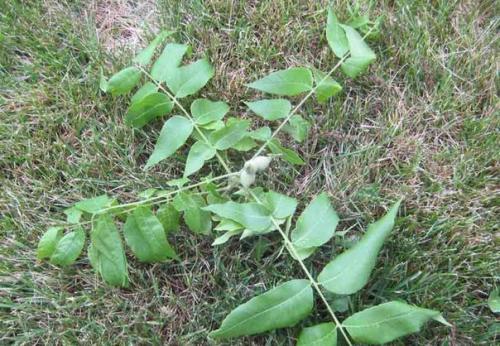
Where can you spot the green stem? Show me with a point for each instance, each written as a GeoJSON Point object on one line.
{"type": "Point", "coordinates": [154, 200]}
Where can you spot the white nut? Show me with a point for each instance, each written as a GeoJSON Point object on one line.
{"type": "Point", "coordinates": [246, 178]}
{"type": "Point", "coordinates": [260, 163]}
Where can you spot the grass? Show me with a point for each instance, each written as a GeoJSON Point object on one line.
{"type": "Point", "coordinates": [423, 123]}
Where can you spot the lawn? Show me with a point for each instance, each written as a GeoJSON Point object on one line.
{"type": "Point", "coordinates": [421, 124]}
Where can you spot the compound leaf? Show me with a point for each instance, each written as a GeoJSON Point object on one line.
{"type": "Point", "coordinates": [282, 306]}
{"type": "Point", "coordinates": [173, 135]}
{"type": "Point", "coordinates": [198, 154]}
{"type": "Point", "coordinates": [252, 216]}
{"type": "Point", "coordinates": [205, 111]}
{"type": "Point", "coordinates": [48, 241]}
{"type": "Point", "coordinates": [317, 223]}
{"type": "Point", "coordinates": [350, 271]}
{"type": "Point", "coordinates": [271, 109]}
{"type": "Point", "coordinates": [386, 322]}
{"type": "Point", "coordinates": [144, 234]}
{"type": "Point", "coordinates": [121, 82]}
{"type": "Point", "coordinates": [169, 60]}
{"type": "Point", "coordinates": [324, 334]}
{"type": "Point", "coordinates": [335, 35]}
{"type": "Point", "coordinates": [68, 248]}
{"type": "Point", "coordinates": [106, 253]}
{"type": "Point", "coordinates": [148, 108]}
{"type": "Point", "coordinates": [187, 80]}
{"type": "Point", "coordinates": [145, 56]}
{"type": "Point", "coordinates": [289, 82]}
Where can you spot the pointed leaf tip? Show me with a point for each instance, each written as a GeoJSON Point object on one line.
{"type": "Point", "coordinates": [349, 272]}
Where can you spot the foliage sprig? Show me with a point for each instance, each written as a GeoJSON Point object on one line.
{"type": "Point", "coordinates": [230, 200]}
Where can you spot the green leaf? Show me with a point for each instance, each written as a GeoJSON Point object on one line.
{"type": "Point", "coordinates": [298, 128]}
{"type": "Point", "coordinates": [326, 86]}
{"type": "Point", "coordinates": [189, 79]}
{"type": "Point", "coordinates": [225, 237]}
{"type": "Point", "coordinates": [494, 301]}
{"type": "Point", "coordinates": [184, 200]}
{"type": "Point", "coordinates": [289, 82]}
{"type": "Point", "coordinates": [324, 334]}
{"type": "Point", "coordinates": [287, 154]}
{"type": "Point", "coordinates": [73, 215]}
{"type": "Point", "coordinates": [148, 193]}
{"type": "Point", "coordinates": [359, 21]}
{"type": "Point", "coordinates": [386, 322]}
{"type": "Point", "coordinates": [122, 82]}
{"type": "Point", "coordinates": [148, 108]}
{"type": "Point", "coordinates": [169, 217]}
{"type": "Point", "coordinates": [167, 63]}
{"type": "Point", "coordinates": [106, 254]}
{"type": "Point", "coordinates": [214, 125]}
{"type": "Point", "coordinates": [173, 135]}
{"type": "Point", "coordinates": [103, 83]}
{"type": "Point", "coordinates": [146, 89]}
{"type": "Point", "coordinates": [178, 183]}
{"type": "Point", "coordinates": [144, 57]}
{"type": "Point", "coordinates": [253, 216]}
{"type": "Point", "coordinates": [361, 54]}
{"type": "Point", "coordinates": [229, 135]}
{"type": "Point", "coordinates": [48, 241]}
{"type": "Point", "coordinates": [245, 144]}
{"type": "Point", "coordinates": [336, 36]}
{"type": "Point", "coordinates": [68, 248]}
{"type": "Point", "coordinates": [144, 234]}
{"type": "Point", "coordinates": [228, 225]}
{"type": "Point", "coordinates": [302, 252]}
{"type": "Point", "coordinates": [270, 109]}
{"type": "Point", "coordinates": [94, 205]}
{"type": "Point", "coordinates": [198, 154]}
{"type": "Point", "coordinates": [363, 24]}
{"type": "Point", "coordinates": [282, 306]}
{"type": "Point", "coordinates": [205, 111]}
{"type": "Point", "coordinates": [281, 206]}
{"type": "Point", "coordinates": [93, 257]}
{"type": "Point", "coordinates": [340, 303]}
{"type": "Point", "coordinates": [350, 271]}
{"type": "Point", "coordinates": [261, 134]}
{"type": "Point", "coordinates": [317, 223]}
{"type": "Point", "coordinates": [197, 219]}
